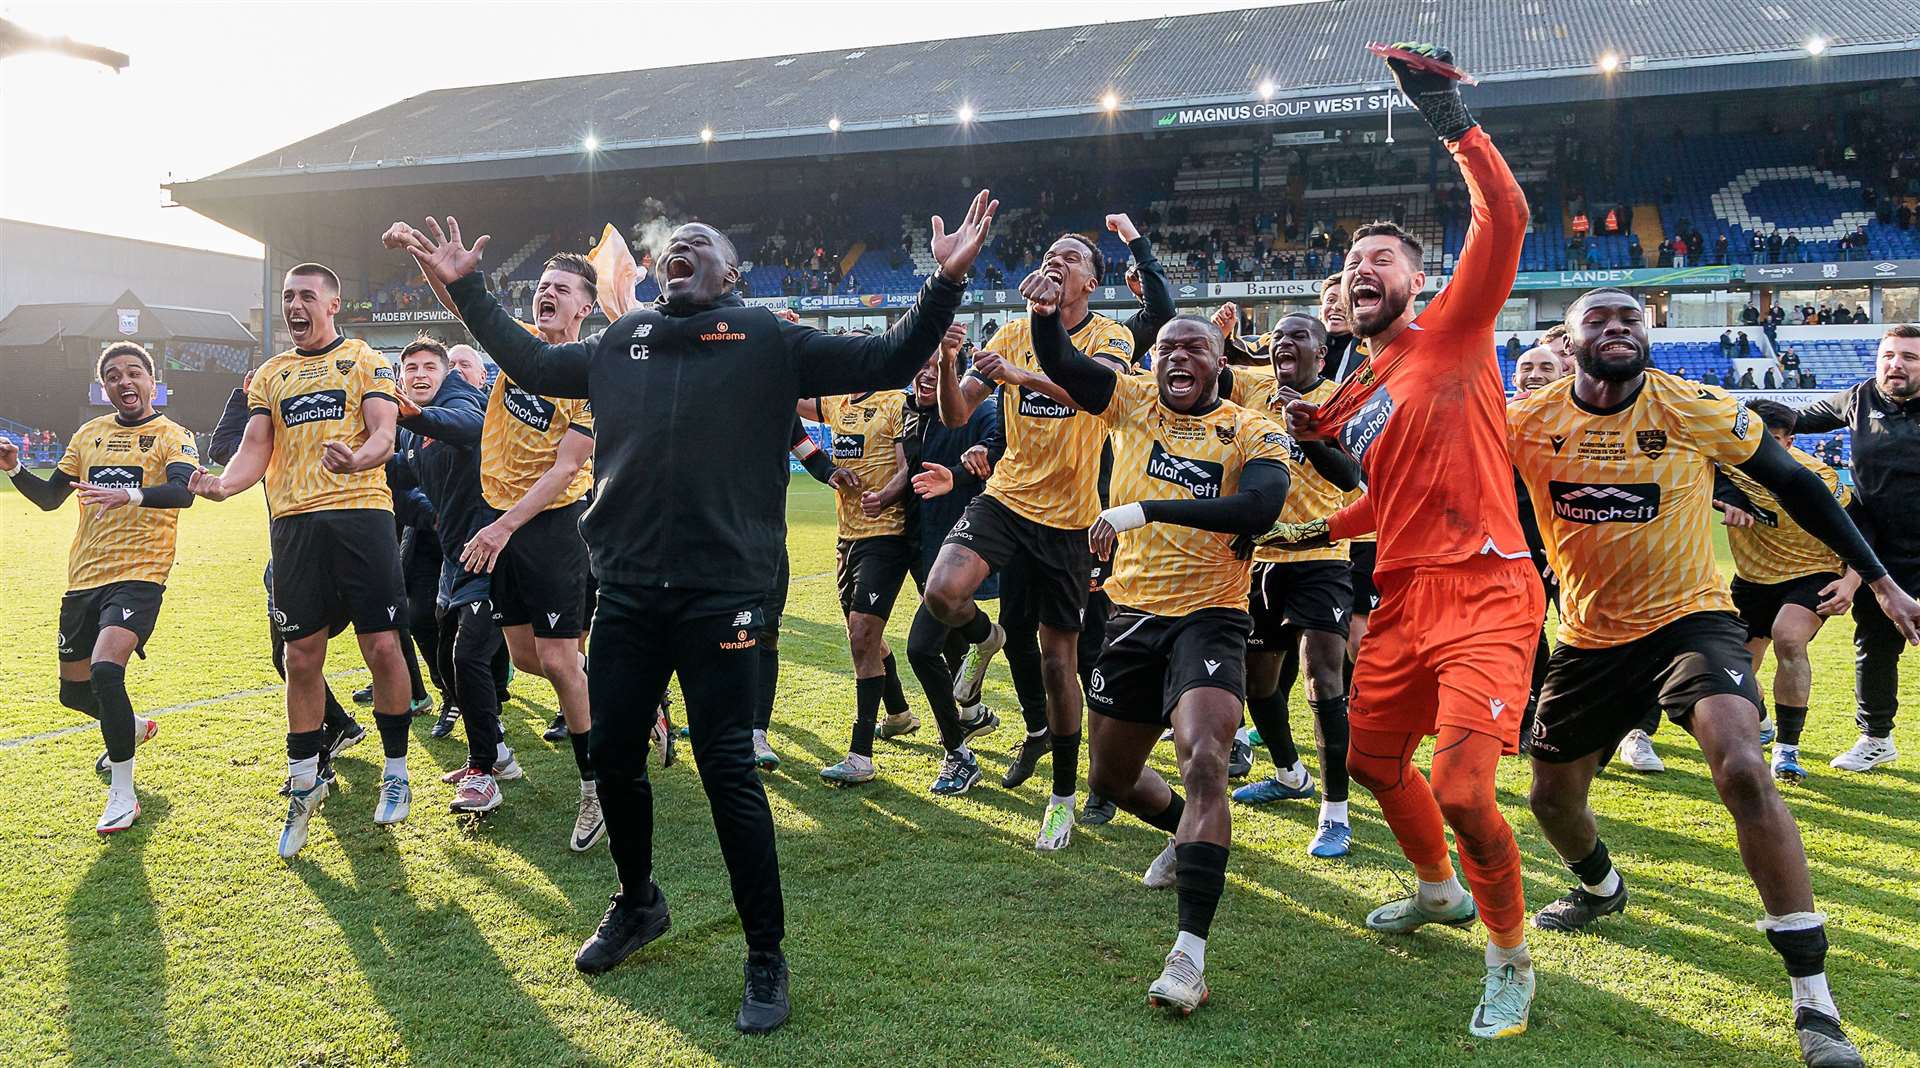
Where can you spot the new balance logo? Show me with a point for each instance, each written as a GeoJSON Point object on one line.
{"type": "Point", "coordinates": [553, 619]}
{"type": "Point", "coordinates": [742, 619]}
{"type": "Point", "coordinates": [1212, 666]}
{"type": "Point", "coordinates": [1736, 676]}
{"type": "Point", "coordinates": [643, 330]}
{"type": "Point", "coordinates": [1497, 705]}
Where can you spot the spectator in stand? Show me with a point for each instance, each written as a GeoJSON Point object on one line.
{"type": "Point", "coordinates": [1773, 247]}
{"type": "Point", "coordinates": [1679, 248]}
{"type": "Point", "coordinates": [1580, 226]}
{"type": "Point", "coordinates": [1636, 256]}
{"type": "Point", "coordinates": [1720, 248]}
{"type": "Point", "coordinates": [1860, 313]}
{"type": "Point", "coordinates": [1611, 222]}
{"type": "Point", "coordinates": [1745, 344]}
{"type": "Point", "coordinates": [1514, 348]}
{"type": "Point", "coordinates": [1756, 247]}
{"type": "Point", "coordinates": [1789, 360]}
{"type": "Point", "coordinates": [1840, 316]}
{"type": "Point", "coordinates": [1726, 344]}
{"type": "Point", "coordinates": [1746, 380]}
{"type": "Point", "coordinates": [1711, 378]}
{"type": "Point", "coordinates": [1772, 335]}
{"type": "Point", "coordinates": [1750, 315]}
{"type": "Point", "coordinates": [1770, 381]}
{"type": "Point", "coordinates": [1791, 248]}
{"type": "Point", "coordinates": [1776, 314]}
{"type": "Point", "coordinates": [1696, 246]}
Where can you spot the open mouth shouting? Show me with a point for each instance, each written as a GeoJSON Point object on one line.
{"type": "Point", "coordinates": [298, 324]}
{"type": "Point", "coordinates": [127, 397]}
{"type": "Point", "coordinates": [1365, 296]}
{"type": "Point", "coordinates": [678, 268]}
{"type": "Point", "coordinates": [1181, 383]}
{"type": "Point", "coordinates": [545, 308]}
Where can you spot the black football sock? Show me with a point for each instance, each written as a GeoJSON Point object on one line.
{"type": "Point", "coordinates": [1331, 716]}
{"type": "Point", "coordinates": [1790, 720]}
{"type": "Point", "coordinates": [581, 759]}
{"type": "Point", "coordinates": [1269, 715]}
{"type": "Point", "coordinates": [1066, 764]}
{"type": "Point", "coordinates": [1201, 878]}
{"type": "Point", "coordinates": [895, 698]}
{"type": "Point", "coordinates": [867, 697]}
{"type": "Point", "coordinates": [116, 710]}
{"type": "Point", "coordinates": [1169, 819]}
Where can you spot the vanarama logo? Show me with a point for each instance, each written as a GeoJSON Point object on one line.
{"type": "Point", "coordinates": [721, 333]}
{"type": "Point", "coordinates": [742, 640]}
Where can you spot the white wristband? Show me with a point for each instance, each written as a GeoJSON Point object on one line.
{"type": "Point", "coordinates": [1125, 516]}
{"type": "Point", "coordinates": [134, 496]}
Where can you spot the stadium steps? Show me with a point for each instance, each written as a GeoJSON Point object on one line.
{"type": "Point", "coordinates": [852, 258]}
{"type": "Point", "coordinates": [1651, 227]}
{"type": "Point", "coordinates": [524, 252]}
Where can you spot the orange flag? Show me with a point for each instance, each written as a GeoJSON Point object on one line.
{"type": "Point", "coordinates": [618, 273]}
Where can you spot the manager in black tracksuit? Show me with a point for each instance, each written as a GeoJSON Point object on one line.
{"type": "Point", "coordinates": [1883, 414]}
{"type": "Point", "coordinates": [693, 404]}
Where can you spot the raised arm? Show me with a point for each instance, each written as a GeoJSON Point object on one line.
{"type": "Point", "coordinates": [1484, 272]}
{"type": "Point", "coordinates": [1156, 292]}
{"type": "Point", "coordinates": [534, 365]}
{"type": "Point", "coordinates": [1087, 382]}
{"type": "Point", "coordinates": [957, 397]}
{"type": "Point", "coordinates": [457, 422]}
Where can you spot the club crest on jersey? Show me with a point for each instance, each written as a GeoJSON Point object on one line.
{"type": "Point", "coordinates": [1225, 432]}
{"type": "Point", "coordinates": [1651, 442]}
{"type": "Point", "coordinates": [147, 440]}
{"type": "Point", "coordinates": [1202, 478]}
{"type": "Point", "coordinates": [532, 409]}
{"type": "Point", "coordinates": [1599, 502]}
{"type": "Point", "coordinates": [324, 405]}
{"type": "Point", "coordinates": [345, 367]}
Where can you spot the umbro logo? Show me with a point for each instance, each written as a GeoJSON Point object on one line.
{"type": "Point", "coordinates": [553, 619]}
{"type": "Point", "coordinates": [1736, 676]}
{"type": "Point", "coordinates": [1212, 666]}
{"type": "Point", "coordinates": [1498, 706]}
{"type": "Point", "coordinates": [741, 619]}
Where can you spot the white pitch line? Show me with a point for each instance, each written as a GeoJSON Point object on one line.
{"type": "Point", "coordinates": [47, 736]}
{"type": "Point", "coordinates": [15, 743]}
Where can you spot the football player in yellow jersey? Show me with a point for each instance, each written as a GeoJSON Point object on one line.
{"type": "Point", "coordinates": [1785, 585]}
{"type": "Point", "coordinates": [130, 470]}
{"type": "Point", "coordinates": [1032, 517]}
{"type": "Point", "coordinates": [872, 558]}
{"type": "Point", "coordinates": [1619, 460]}
{"type": "Point", "coordinates": [1191, 472]}
{"type": "Point", "coordinates": [536, 467]}
{"type": "Point", "coordinates": [321, 429]}
{"type": "Point", "coordinates": [1301, 597]}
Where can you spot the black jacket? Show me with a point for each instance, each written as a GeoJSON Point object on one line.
{"type": "Point", "coordinates": [439, 451]}
{"type": "Point", "coordinates": [1886, 467]}
{"type": "Point", "coordinates": [692, 409]}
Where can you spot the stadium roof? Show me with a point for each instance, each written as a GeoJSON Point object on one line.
{"type": "Point", "coordinates": [36, 324]}
{"type": "Point", "coordinates": [656, 117]}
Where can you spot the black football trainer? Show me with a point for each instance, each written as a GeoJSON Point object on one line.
{"type": "Point", "coordinates": [1822, 1043]}
{"type": "Point", "coordinates": [449, 715]}
{"type": "Point", "coordinates": [763, 1004]}
{"type": "Point", "coordinates": [557, 730]}
{"type": "Point", "coordinates": [1099, 810]}
{"type": "Point", "coordinates": [623, 930]}
{"type": "Point", "coordinates": [1032, 748]}
{"type": "Point", "coordinates": [1578, 908]}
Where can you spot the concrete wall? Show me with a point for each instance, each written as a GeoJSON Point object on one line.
{"type": "Point", "coordinates": [49, 265]}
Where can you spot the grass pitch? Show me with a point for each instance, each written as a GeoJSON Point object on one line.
{"type": "Point", "coordinates": [922, 931]}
